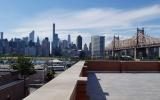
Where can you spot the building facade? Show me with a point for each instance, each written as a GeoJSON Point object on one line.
{"type": "Point", "coordinates": [79, 42]}
{"type": "Point", "coordinates": [31, 36]}
{"type": "Point", "coordinates": [1, 35]}
{"type": "Point", "coordinates": [45, 47]}
{"type": "Point", "coordinates": [98, 46]}
{"type": "Point", "coordinates": [55, 42]}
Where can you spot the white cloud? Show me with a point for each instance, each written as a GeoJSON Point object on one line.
{"type": "Point", "coordinates": [86, 22]}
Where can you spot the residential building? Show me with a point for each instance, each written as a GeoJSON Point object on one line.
{"type": "Point", "coordinates": [98, 46]}
{"type": "Point", "coordinates": [55, 42]}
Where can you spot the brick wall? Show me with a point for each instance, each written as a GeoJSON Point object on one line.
{"type": "Point", "coordinates": [103, 66]}
{"type": "Point", "coordinates": [14, 92]}
{"type": "Point", "coordinates": [121, 66]}
{"type": "Point", "coordinates": [81, 91]}
{"type": "Point", "coordinates": [140, 66]}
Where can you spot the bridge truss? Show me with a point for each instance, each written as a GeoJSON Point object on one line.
{"type": "Point", "coordinates": [140, 39]}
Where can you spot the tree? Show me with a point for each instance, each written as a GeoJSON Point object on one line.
{"type": "Point", "coordinates": [25, 67]}
{"type": "Point", "coordinates": [50, 75]}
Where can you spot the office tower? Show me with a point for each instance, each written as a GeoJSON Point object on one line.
{"type": "Point", "coordinates": [69, 39]}
{"type": "Point", "coordinates": [64, 44]}
{"type": "Point", "coordinates": [1, 35]}
{"type": "Point", "coordinates": [31, 36]}
{"type": "Point", "coordinates": [79, 42]}
{"type": "Point", "coordinates": [30, 51]}
{"type": "Point", "coordinates": [73, 46]}
{"type": "Point", "coordinates": [25, 39]}
{"type": "Point", "coordinates": [45, 47]}
{"type": "Point", "coordinates": [38, 41]}
{"type": "Point", "coordinates": [90, 47]}
{"type": "Point", "coordinates": [98, 46]}
{"type": "Point", "coordinates": [85, 48]}
{"type": "Point", "coordinates": [5, 45]}
{"type": "Point", "coordinates": [38, 48]}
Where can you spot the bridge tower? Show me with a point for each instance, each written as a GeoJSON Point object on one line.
{"type": "Point", "coordinates": [140, 37]}
{"type": "Point", "coordinates": [115, 45]}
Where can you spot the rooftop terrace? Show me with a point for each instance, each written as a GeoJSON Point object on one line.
{"type": "Point", "coordinates": [104, 80]}
{"type": "Point", "coordinates": [123, 86]}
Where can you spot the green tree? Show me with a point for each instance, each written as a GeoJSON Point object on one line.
{"type": "Point", "coordinates": [50, 75]}
{"type": "Point", "coordinates": [25, 67]}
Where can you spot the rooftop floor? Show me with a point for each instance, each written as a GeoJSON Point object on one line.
{"type": "Point", "coordinates": [123, 86]}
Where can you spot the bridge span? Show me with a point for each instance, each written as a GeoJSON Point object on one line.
{"type": "Point", "coordinates": [140, 46]}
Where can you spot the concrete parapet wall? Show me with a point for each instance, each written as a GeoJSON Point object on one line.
{"type": "Point", "coordinates": [69, 85]}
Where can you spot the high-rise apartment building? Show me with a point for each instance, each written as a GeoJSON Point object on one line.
{"type": "Point", "coordinates": [55, 41]}
{"type": "Point", "coordinates": [98, 46]}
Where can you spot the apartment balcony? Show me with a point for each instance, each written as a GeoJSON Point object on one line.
{"type": "Point", "coordinates": [104, 80]}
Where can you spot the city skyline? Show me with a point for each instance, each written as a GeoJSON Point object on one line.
{"type": "Point", "coordinates": [76, 18]}
{"type": "Point", "coordinates": [27, 46]}
{"type": "Point", "coordinates": [79, 49]}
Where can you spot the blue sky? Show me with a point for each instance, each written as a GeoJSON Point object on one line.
{"type": "Point", "coordinates": [85, 17]}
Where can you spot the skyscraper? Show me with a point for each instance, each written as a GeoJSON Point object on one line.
{"type": "Point", "coordinates": [31, 36]}
{"type": "Point", "coordinates": [79, 42]}
{"type": "Point", "coordinates": [85, 48]}
{"type": "Point", "coordinates": [1, 35]}
{"type": "Point", "coordinates": [90, 47]}
{"type": "Point", "coordinates": [25, 39]}
{"type": "Point", "coordinates": [38, 47]}
{"type": "Point", "coordinates": [98, 46]}
{"type": "Point", "coordinates": [38, 41]}
{"type": "Point", "coordinates": [53, 32]}
{"type": "Point", "coordinates": [55, 41]}
{"type": "Point", "coordinates": [45, 47]}
{"type": "Point", "coordinates": [69, 41]}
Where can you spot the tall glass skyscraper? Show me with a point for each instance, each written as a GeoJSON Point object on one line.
{"type": "Point", "coordinates": [55, 41]}
{"type": "Point", "coordinates": [1, 35]}
{"type": "Point", "coordinates": [98, 46]}
{"type": "Point", "coordinates": [31, 36]}
{"type": "Point", "coordinates": [79, 42]}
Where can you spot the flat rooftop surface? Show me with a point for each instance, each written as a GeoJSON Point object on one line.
{"type": "Point", "coordinates": [123, 86]}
